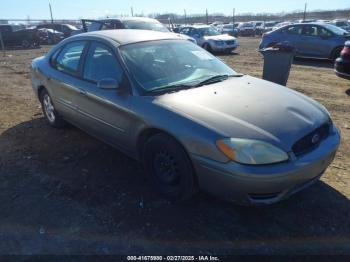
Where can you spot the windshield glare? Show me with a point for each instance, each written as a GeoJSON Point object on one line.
{"type": "Point", "coordinates": [143, 25]}
{"type": "Point", "coordinates": [336, 30]}
{"type": "Point", "coordinates": [161, 64]}
{"type": "Point", "coordinates": [208, 31]}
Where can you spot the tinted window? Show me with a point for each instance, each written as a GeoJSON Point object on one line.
{"type": "Point", "coordinates": [185, 31]}
{"type": "Point", "coordinates": [310, 30]}
{"type": "Point", "coordinates": [293, 30]}
{"type": "Point", "coordinates": [324, 32]}
{"type": "Point", "coordinates": [101, 63]}
{"type": "Point", "coordinates": [68, 59]}
{"type": "Point", "coordinates": [5, 29]}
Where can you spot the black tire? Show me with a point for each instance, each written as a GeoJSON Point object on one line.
{"type": "Point", "coordinates": [51, 116]}
{"type": "Point", "coordinates": [169, 168]}
{"type": "Point", "coordinates": [207, 47]}
{"type": "Point", "coordinates": [336, 53]}
{"type": "Point", "coordinates": [25, 43]}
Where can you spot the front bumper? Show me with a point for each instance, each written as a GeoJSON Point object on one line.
{"type": "Point", "coordinates": [265, 184]}
{"type": "Point", "coordinates": [224, 48]}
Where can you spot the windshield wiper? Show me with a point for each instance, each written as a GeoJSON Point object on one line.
{"type": "Point", "coordinates": [171, 88]}
{"type": "Point", "coordinates": [216, 79]}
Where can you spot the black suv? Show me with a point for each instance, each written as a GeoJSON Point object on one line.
{"type": "Point", "coordinates": [22, 37]}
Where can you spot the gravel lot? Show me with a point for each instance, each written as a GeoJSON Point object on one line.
{"type": "Point", "coordinates": [63, 192]}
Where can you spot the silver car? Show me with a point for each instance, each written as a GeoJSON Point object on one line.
{"type": "Point", "coordinates": [210, 38]}
{"type": "Point", "coordinates": [188, 117]}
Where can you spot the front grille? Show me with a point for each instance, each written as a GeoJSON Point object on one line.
{"type": "Point", "coordinates": [231, 42]}
{"type": "Point", "coordinates": [312, 140]}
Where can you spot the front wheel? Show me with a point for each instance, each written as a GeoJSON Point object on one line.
{"type": "Point", "coordinates": [169, 167]}
{"type": "Point", "coordinates": [50, 113]}
{"type": "Point", "coordinates": [207, 47]}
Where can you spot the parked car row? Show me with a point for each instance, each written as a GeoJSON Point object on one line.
{"type": "Point", "coordinates": [50, 33]}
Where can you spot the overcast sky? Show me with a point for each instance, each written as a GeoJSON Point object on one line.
{"type": "Point", "coordinates": [74, 9]}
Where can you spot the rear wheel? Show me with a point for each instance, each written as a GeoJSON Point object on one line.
{"type": "Point", "coordinates": [25, 43]}
{"type": "Point", "coordinates": [50, 113]}
{"type": "Point", "coordinates": [169, 167]}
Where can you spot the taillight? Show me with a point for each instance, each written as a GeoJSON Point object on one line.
{"type": "Point", "coordinates": [345, 51]}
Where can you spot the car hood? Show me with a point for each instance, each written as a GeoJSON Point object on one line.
{"type": "Point", "coordinates": [247, 107]}
{"type": "Point", "coordinates": [220, 37]}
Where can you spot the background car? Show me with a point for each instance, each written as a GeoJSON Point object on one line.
{"type": "Point", "coordinates": [343, 24]}
{"type": "Point", "coordinates": [22, 37]}
{"type": "Point", "coordinates": [342, 64]}
{"type": "Point", "coordinates": [259, 27]}
{"type": "Point", "coordinates": [310, 40]}
{"type": "Point", "coordinates": [246, 29]}
{"type": "Point", "coordinates": [140, 23]}
{"type": "Point", "coordinates": [228, 29]}
{"type": "Point", "coordinates": [269, 26]}
{"type": "Point", "coordinates": [282, 24]}
{"type": "Point", "coordinates": [67, 29]}
{"type": "Point", "coordinates": [210, 38]}
{"type": "Point", "coordinates": [50, 36]}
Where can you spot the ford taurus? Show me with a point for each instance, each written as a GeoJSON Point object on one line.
{"type": "Point", "coordinates": [189, 118]}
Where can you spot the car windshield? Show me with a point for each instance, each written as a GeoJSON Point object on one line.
{"type": "Point", "coordinates": [162, 65]}
{"type": "Point", "coordinates": [145, 25]}
{"type": "Point", "coordinates": [343, 23]}
{"type": "Point", "coordinates": [208, 31]}
{"type": "Point", "coordinates": [72, 27]}
{"type": "Point", "coordinates": [336, 30]}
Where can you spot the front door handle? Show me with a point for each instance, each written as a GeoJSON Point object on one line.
{"type": "Point", "coordinates": [82, 92]}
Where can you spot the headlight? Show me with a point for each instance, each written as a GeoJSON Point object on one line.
{"type": "Point", "coordinates": [251, 152]}
{"type": "Point", "coordinates": [219, 42]}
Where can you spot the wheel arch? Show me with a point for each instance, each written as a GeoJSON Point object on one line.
{"type": "Point", "coordinates": [151, 131]}
{"type": "Point", "coordinates": [40, 89]}
{"type": "Point", "coordinates": [334, 50]}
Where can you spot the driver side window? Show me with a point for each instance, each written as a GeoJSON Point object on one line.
{"type": "Point", "coordinates": [101, 63]}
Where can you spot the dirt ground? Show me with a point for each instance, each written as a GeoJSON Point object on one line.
{"type": "Point", "coordinates": [63, 192]}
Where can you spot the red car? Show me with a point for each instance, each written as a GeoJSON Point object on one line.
{"type": "Point", "coordinates": [342, 64]}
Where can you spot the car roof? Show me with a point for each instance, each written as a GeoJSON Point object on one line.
{"type": "Point", "coordinates": [129, 36]}
{"type": "Point", "coordinates": [127, 18]}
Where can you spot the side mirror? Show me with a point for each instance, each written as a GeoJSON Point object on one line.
{"type": "Point", "coordinates": [108, 83]}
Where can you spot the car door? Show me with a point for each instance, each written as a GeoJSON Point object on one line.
{"type": "Point", "coordinates": [292, 35]}
{"type": "Point", "coordinates": [313, 44]}
{"type": "Point", "coordinates": [63, 78]}
{"type": "Point", "coordinates": [103, 111]}
{"type": "Point", "coordinates": [196, 34]}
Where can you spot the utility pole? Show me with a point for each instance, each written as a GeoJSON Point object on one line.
{"type": "Point", "coordinates": [305, 12]}
{"type": "Point", "coordinates": [2, 45]}
{"type": "Point", "coordinates": [132, 11]}
{"type": "Point", "coordinates": [51, 13]}
{"type": "Point", "coordinates": [233, 15]}
{"type": "Point", "coordinates": [206, 15]}
{"type": "Point", "coordinates": [185, 16]}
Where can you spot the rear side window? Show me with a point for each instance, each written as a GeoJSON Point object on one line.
{"type": "Point", "coordinates": [101, 63]}
{"type": "Point", "coordinates": [69, 58]}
